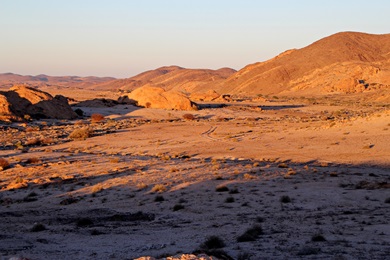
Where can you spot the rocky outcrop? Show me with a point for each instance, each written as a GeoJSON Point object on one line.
{"type": "Point", "coordinates": [210, 95]}
{"type": "Point", "coordinates": [334, 64]}
{"type": "Point", "coordinates": [22, 102]}
{"type": "Point", "coordinates": [155, 97]}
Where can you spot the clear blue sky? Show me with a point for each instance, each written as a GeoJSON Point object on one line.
{"type": "Point", "coordinates": [121, 38]}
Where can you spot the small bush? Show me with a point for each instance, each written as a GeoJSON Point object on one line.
{"type": "Point", "coordinates": [251, 234]}
{"type": "Point", "coordinates": [283, 165]}
{"type": "Point", "coordinates": [285, 199]}
{"type": "Point", "coordinates": [234, 191]}
{"type": "Point", "coordinates": [222, 188]}
{"type": "Point", "coordinates": [34, 141]}
{"type": "Point", "coordinates": [84, 222]}
{"type": "Point", "coordinates": [178, 207]}
{"type": "Point", "coordinates": [81, 133]}
{"type": "Point", "coordinates": [260, 219]}
{"type": "Point", "coordinates": [189, 117]}
{"type": "Point", "coordinates": [159, 198]}
{"type": "Point", "coordinates": [33, 160]}
{"type": "Point", "coordinates": [141, 186]}
{"type": "Point", "coordinates": [248, 176]}
{"type": "Point", "coordinates": [96, 118]}
{"type": "Point", "coordinates": [97, 188]}
{"type": "Point", "coordinates": [148, 104]}
{"type": "Point", "coordinates": [229, 200]}
{"type": "Point", "coordinates": [213, 242]}
{"type": "Point", "coordinates": [387, 200]}
{"type": "Point", "coordinates": [159, 188]}
{"type": "Point", "coordinates": [318, 238]}
{"type": "Point", "coordinates": [38, 227]}
{"type": "Point", "coordinates": [4, 164]}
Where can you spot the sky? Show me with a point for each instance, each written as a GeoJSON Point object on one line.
{"type": "Point", "coordinates": [121, 38]}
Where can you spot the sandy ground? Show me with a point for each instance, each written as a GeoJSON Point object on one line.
{"type": "Point", "coordinates": [149, 183]}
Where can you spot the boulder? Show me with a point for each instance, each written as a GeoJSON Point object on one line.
{"type": "Point", "coordinates": [210, 95]}
{"type": "Point", "coordinates": [21, 102]}
{"type": "Point", "coordinates": [156, 97]}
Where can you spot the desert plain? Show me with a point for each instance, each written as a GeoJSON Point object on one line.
{"type": "Point", "coordinates": [277, 177]}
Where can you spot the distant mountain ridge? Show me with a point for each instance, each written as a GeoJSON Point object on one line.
{"type": "Point", "coordinates": [345, 62]}
{"type": "Point", "coordinates": [10, 79]}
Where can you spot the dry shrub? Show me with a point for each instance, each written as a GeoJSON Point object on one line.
{"type": "Point", "coordinates": [31, 129]}
{"type": "Point", "coordinates": [159, 188]}
{"type": "Point", "coordinates": [81, 133]}
{"type": "Point", "coordinates": [248, 176]}
{"type": "Point", "coordinates": [47, 140]}
{"type": "Point", "coordinates": [34, 141]}
{"type": "Point", "coordinates": [4, 164]}
{"type": "Point", "coordinates": [251, 234]}
{"type": "Point", "coordinates": [141, 186]}
{"type": "Point", "coordinates": [97, 188]}
{"type": "Point", "coordinates": [221, 188]}
{"type": "Point", "coordinates": [148, 104]}
{"type": "Point", "coordinates": [79, 123]}
{"type": "Point", "coordinates": [285, 199]}
{"type": "Point", "coordinates": [33, 160]}
{"type": "Point", "coordinates": [96, 118]}
{"type": "Point", "coordinates": [189, 117]}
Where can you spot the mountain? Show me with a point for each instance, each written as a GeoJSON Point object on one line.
{"type": "Point", "coordinates": [171, 78]}
{"type": "Point", "coordinates": [10, 79]}
{"type": "Point", "coordinates": [346, 62]}
{"type": "Point", "coordinates": [348, 57]}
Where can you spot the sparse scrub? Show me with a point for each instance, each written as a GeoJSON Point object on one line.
{"type": "Point", "coordinates": [97, 188]}
{"type": "Point", "coordinates": [141, 186]}
{"type": "Point", "coordinates": [189, 117]}
{"type": "Point", "coordinates": [96, 118]}
{"type": "Point", "coordinates": [4, 164]}
{"type": "Point", "coordinates": [387, 200]}
{"type": "Point", "coordinates": [38, 227]}
{"type": "Point", "coordinates": [229, 200]}
{"type": "Point", "coordinates": [222, 188]}
{"type": "Point", "coordinates": [234, 191]}
{"type": "Point", "coordinates": [285, 199]}
{"type": "Point", "coordinates": [159, 188]}
{"type": "Point", "coordinates": [33, 160]}
{"type": "Point", "coordinates": [251, 234]}
{"type": "Point", "coordinates": [114, 160]}
{"type": "Point", "coordinates": [212, 247]}
{"type": "Point", "coordinates": [318, 238]}
{"type": "Point", "coordinates": [283, 165]}
{"type": "Point", "coordinates": [159, 198]}
{"type": "Point", "coordinates": [248, 176]}
{"type": "Point", "coordinates": [84, 222]}
{"type": "Point", "coordinates": [213, 242]}
{"type": "Point", "coordinates": [33, 141]}
{"type": "Point", "coordinates": [178, 207]}
{"type": "Point", "coordinates": [80, 134]}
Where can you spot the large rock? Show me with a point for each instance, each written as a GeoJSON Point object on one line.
{"type": "Point", "coordinates": [155, 97]}
{"type": "Point", "coordinates": [210, 95]}
{"type": "Point", "coordinates": [21, 102]}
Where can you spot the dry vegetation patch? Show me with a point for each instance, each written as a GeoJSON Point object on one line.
{"type": "Point", "coordinates": [4, 164]}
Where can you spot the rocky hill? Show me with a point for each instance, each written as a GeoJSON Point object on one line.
{"type": "Point", "coordinates": [344, 62]}
{"type": "Point", "coordinates": [20, 103]}
{"type": "Point", "coordinates": [171, 78]}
